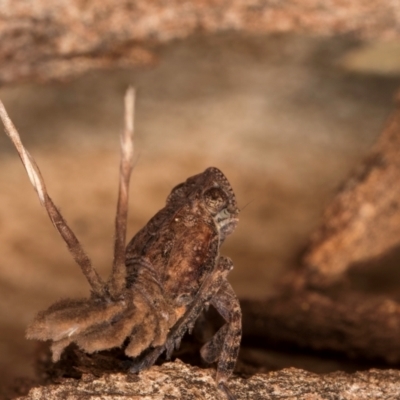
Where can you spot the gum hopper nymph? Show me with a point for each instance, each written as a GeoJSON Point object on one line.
{"type": "Point", "coordinates": [160, 283]}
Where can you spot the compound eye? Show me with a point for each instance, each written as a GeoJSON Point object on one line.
{"type": "Point", "coordinates": [215, 199]}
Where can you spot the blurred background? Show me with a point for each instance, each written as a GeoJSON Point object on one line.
{"type": "Point", "coordinates": [285, 116]}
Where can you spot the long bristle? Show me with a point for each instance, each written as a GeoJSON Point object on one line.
{"type": "Point", "coordinates": [118, 277]}
{"type": "Point", "coordinates": [57, 219]}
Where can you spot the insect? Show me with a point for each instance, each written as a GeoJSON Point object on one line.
{"type": "Point", "coordinates": [169, 272]}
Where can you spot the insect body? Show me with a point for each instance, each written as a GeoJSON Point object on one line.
{"type": "Point", "coordinates": [169, 272]}
{"type": "Point", "coordinates": [180, 248]}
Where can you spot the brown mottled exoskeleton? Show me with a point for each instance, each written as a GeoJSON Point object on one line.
{"type": "Point", "coordinates": [170, 271]}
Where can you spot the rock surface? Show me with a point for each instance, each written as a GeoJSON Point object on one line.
{"type": "Point", "coordinates": [180, 381]}
{"type": "Point", "coordinates": [45, 40]}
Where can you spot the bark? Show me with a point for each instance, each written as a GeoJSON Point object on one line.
{"type": "Point", "coordinates": [46, 40]}
{"type": "Point", "coordinates": [362, 223]}
{"type": "Point", "coordinates": [353, 325]}
{"type": "Point", "coordinates": [321, 307]}
{"type": "Point", "coordinates": [180, 381]}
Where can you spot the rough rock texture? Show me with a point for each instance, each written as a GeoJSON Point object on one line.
{"type": "Point", "coordinates": [44, 40]}
{"type": "Point", "coordinates": [179, 381]}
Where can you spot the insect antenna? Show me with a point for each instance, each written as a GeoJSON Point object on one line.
{"type": "Point", "coordinates": [73, 244]}
{"type": "Point", "coordinates": [246, 205]}
{"type": "Point", "coordinates": [118, 274]}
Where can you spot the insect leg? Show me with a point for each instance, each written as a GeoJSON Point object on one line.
{"type": "Point", "coordinates": [224, 346]}
{"type": "Point", "coordinates": [152, 324]}
{"type": "Point", "coordinates": [142, 335]}
{"type": "Point", "coordinates": [206, 292]}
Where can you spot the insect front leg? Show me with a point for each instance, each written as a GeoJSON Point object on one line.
{"type": "Point", "coordinates": [203, 297]}
{"type": "Point", "coordinates": [224, 346]}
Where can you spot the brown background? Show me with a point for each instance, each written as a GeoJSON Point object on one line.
{"type": "Point", "coordinates": [280, 115]}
